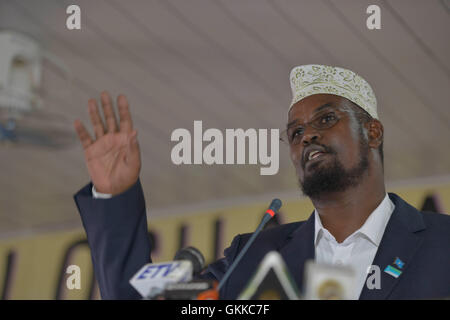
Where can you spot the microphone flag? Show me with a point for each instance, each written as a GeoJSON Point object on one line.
{"type": "Point", "coordinates": [329, 282]}
{"type": "Point", "coordinates": [272, 281]}
{"type": "Point", "coordinates": [152, 278]}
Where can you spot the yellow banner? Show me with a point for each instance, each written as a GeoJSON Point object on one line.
{"type": "Point", "coordinates": [35, 267]}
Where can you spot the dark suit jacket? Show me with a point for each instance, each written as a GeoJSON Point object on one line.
{"type": "Point", "coordinates": [117, 234]}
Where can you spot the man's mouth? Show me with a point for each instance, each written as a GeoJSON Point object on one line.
{"type": "Point", "coordinates": [314, 157]}
{"type": "Point", "coordinates": [313, 154]}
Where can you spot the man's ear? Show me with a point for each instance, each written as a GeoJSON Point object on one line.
{"type": "Point", "coordinates": [375, 132]}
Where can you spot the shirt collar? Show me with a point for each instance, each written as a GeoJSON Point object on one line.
{"type": "Point", "coordinates": [373, 228]}
{"type": "Point", "coordinates": [318, 228]}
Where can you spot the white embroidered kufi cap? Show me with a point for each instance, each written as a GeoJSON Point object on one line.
{"type": "Point", "coordinates": [314, 79]}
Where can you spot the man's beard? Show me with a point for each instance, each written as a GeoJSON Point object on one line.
{"type": "Point", "coordinates": [335, 178]}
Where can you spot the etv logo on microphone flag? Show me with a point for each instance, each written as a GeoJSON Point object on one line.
{"type": "Point", "coordinates": [152, 278]}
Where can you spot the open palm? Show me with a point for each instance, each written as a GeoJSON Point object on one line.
{"type": "Point", "coordinates": [113, 158]}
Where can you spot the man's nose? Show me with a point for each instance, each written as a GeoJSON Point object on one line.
{"type": "Point", "coordinates": [311, 135]}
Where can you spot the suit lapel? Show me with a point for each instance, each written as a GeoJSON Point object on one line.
{"type": "Point", "coordinates": [401, 239]}
{"type": "Point", "coordinates": [298, 248]}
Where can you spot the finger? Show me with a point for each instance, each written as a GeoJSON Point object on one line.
{"type": "Point", "coordinates": [108, 111]}
{"type": "Point", "coordinates": [133, 154]}
{"type": "Point", "coordinates": [126, 124]}
{"type": "Point", "coordinates": [83, 135]}
{"type": "Point", "coordinates": [96, 121]}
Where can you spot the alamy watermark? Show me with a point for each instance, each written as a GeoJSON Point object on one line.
{"type": "Point", "coordinates": [73, 21]}
{"type": "Point", "coordinates": [74, 280]}
{"type": "Point", "coordinates": [227, 148]}
{"type": "Point", "coordinates": [374, 20]}
{"type": "Point", "coordinates": [373, 280]}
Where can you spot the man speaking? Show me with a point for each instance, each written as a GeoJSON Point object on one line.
{"type": "Point", "coordinates": [336, 146]}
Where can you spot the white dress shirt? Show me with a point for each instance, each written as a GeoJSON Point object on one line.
{"type": "Point", "coordinates": [357, 250]}
{"type": "Point", "coordinates": [98, 195]}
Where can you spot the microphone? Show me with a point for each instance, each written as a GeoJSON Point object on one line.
{"type": "Point", "coordinates": [275, 205]}
{"type": "Point", "coordinates": [272, 281]}
{"type": "Point", "coordinates": [152, 279]}
{"type": "Point", "coordinates": [329, 282]}
{"type": "Point", "coordinates": [197, 289]}
{"type": "Point", "coordinates": [194, 256]}
{"type": "Point", "coordinates": [194, 290]}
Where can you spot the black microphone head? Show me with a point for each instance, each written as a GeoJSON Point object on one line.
{"type": "Point", "coordinates": [194, 256]}
{"type": "Point", "coordinates": [275, 205]}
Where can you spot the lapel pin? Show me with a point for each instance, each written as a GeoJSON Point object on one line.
{"type": "Point", "coordinates": [399, 263]}
{"type": "Point", "coordinates": [392, 271]}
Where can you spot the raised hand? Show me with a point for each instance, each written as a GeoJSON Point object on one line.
{"type": "Point", "coordinates": [113, 158]}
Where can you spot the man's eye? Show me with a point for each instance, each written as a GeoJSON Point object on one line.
{"type": "Point", "coordinates": [327, 118]}
{"type": "Point", "coordinates": [297, 132]}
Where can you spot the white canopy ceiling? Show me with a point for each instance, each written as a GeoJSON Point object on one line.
{"type": "Point", "coordinates": [226, 63]}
